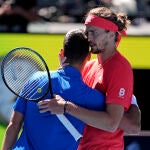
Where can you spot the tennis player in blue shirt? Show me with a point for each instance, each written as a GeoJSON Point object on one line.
{"type": "Point", "coordinates": [43, 131]}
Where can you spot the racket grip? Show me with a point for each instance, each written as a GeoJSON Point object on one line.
{"type": "Point", "coordinates": [69, 126]}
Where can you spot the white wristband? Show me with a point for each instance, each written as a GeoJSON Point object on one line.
{"type": "Point", "coordinates": [134, 101]}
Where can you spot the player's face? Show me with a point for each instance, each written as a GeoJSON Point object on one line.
{"type": "Point", "coordinates": [97, 38]}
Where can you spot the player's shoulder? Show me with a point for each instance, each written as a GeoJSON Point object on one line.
{"type": "Point", "coordinates": [119, 66]}
{"type": "Point", "coordinates": [90, 63]}
{"type": "Point", "coordinates": [121, 61]}
{"type": "Point", "coordinates": [124, 59]}
{"type": "Point", "coordinates": [54, 74]}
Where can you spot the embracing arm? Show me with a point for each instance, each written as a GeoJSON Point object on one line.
{"type": "Point", "coordinates": [106, 120]}
{"type": "Point", "coordinates": [12, 131]}
{"type": "Point", "coordinates": [131, 121]}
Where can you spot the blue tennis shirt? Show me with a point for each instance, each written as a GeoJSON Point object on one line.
{"type": "Point", "coordinates": [43, 131]}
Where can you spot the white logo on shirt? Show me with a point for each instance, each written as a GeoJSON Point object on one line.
{"type": "Point", "coordinates": [121, 92]}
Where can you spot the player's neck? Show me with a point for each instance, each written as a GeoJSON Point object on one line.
{"type": "Point", "coordinates": [78, 66]}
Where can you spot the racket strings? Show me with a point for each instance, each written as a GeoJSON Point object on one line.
{"type": "Point", "coordinates": [35, 88]}
{"type": "Point", "coordinates": [24, 54]}
{"type": "Point", "coordinates": [21, 82]}
{"type": "Point", "coordinates": [17, 75]}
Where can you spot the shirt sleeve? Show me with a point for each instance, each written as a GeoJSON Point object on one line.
{"type": "Point", "coordinates": [120, 87]}
{"type": "Point", "coordinates": [20, 105]}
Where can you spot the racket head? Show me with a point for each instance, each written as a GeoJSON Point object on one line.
{"type": "Point", "coordinates": [26, 74]}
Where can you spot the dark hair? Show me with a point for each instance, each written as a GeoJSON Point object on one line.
{"type": "Point", "coordinates": [120, 19]}
{"type": "Point", "coordinates": [76, 46]}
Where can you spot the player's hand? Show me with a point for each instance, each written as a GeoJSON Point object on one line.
{"type": "Point", "coordinates": [54, 105]}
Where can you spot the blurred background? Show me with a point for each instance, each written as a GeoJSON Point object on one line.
{"type": "Point", "coordinates": [41, 24]}
{"type": "Point", "coordinates": [16, 15]}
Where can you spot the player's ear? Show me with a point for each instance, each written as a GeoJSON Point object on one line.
{"type": "Point", "coordinates": [62, 59]}
{"type": "Point", "coordinates": [61, 53]}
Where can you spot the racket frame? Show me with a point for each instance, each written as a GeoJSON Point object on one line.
{"type": "Point", "coordinates": [43, 61]}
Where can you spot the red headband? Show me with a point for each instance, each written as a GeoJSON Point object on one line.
{"type": "Point", "coordinates": [96, 21]}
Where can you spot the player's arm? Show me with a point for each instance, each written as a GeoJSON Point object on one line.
{"type": "Point", "coordinates": [12, 130]}
{"type": "Point", "coordinates": [106, 120]}
{"type": "Point", "coordinates": [131, 121]}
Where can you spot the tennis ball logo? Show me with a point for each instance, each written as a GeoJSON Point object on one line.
{"type": "Point", "coordinates": [39, 90]}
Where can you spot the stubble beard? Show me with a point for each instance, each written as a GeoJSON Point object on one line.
{"type": "Point", "coordinates": [96, 51]}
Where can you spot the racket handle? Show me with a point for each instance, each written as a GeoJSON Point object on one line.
{"type": "Point", "coordinates": [69, 126]}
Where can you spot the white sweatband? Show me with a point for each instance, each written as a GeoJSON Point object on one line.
{"type": "Point", "coordinates": [134, 101]}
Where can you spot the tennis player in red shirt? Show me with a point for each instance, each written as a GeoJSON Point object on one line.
{"type": "Point", "coordinates": [112, 74]}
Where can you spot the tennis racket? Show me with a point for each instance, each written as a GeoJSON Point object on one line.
{"type": "Point", "coordinates": [26, 74]}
